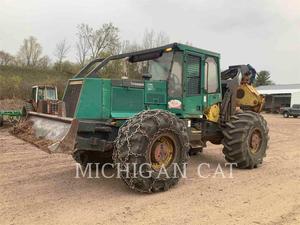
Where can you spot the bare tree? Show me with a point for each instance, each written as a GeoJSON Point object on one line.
{"type": "Point", "coordinates": [152, 39]}
{"type": "Point", "coordinates": [103, 40]}
{"type": "Point", "coordinates": [161, 39]}
{"type": "Point", "coordinates": [82, 47]}
{"type": "Point", "coordinates": [61, 51]}
{"type": "Point", "coordinates": [128, 46]}
{"type": "Point", "coordinates": [30, 52]}
{"type": "Point", "coordinates": [148, 39]}
{"type": "Point", "coordinates": [5, 58]}
{"type": "Point", "coordinates": [43, 62]}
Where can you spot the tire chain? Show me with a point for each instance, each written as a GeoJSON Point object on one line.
{"type": "Point", "coordinates": [135, 122]}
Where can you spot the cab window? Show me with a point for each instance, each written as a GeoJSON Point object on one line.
{"type": "Point", "coordinates": [51, 93]}
{"type": "Point", "coordinates": [41, 94]}
{"type": "Point", "coordinates": [175, 78]}
{"type": "Point", "coordinates": [34, 93]}
{"type": "Point", "coordinates": [211, 75]}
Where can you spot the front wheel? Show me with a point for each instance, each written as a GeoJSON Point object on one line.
{"type": "Point", "coordinates": [28, 107]}
{"type": "Point", "coordinates": [151, 151]}
{"type": "Point", "coordinates": [245, 140]}
{"type": "Point", "coordinates": [286, 115]}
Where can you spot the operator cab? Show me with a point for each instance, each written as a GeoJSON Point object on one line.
{"type": "Point", "coordinates": [44, 92]}
{"type": "Point", "coordinates": [182, 79]}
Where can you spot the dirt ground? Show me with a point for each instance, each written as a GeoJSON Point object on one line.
{"type": "Point", "coordinates": [38, 188]}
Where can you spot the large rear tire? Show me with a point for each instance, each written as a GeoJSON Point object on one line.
{"type": "Point", "coordinates": [147, 143]}
{"type": "Point", "coordinates": [246, 139]}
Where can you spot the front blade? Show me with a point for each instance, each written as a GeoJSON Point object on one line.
{"type": "Point", "coordinates": [48, 132]}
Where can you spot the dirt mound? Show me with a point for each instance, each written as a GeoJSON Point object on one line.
{"type": "Point", "coordinates": [24, 130]}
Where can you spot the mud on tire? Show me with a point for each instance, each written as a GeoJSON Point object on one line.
{"type": "Point", "coordinates": [238, 137]}
{"type": "Point", "coordinates": [134, 147]}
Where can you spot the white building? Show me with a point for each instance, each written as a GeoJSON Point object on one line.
{"type": "Point", "coordinates": [281, 95]}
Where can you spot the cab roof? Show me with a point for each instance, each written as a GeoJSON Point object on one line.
{"type": "Point", "coordinates": [194, 49]}
{"type": "Point", "coordinates": [44, 86]}
{"type": "Point", "coordinates": [182, 47]}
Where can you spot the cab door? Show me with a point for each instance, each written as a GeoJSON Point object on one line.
{"type": "Point", "coordinates": [193, 73]}
{"type": "Point", "coordinates": [34, 93]}
{"type": "Point", "coordinates": [212, 89]}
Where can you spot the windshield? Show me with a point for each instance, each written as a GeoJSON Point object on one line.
{"type": "Point", "coordinates": [46, 94]}
{"type": "Point", "coordinates": [158, 69]}
{"type": "Point", "coordinates": [51, 94]}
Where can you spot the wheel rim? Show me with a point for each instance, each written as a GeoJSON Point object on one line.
{"type": "Point", "coordinates": [162, 152]}
{"type": "Point", "coordinates": [255, 141]}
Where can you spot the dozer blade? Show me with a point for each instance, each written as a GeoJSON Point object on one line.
{"type": "Point", "coordinates": [48, 132]}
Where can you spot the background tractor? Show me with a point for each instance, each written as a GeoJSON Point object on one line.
{"type": "Point", "coordinates": [154, 106]}
{"type": "Point", "coordinates": [44, 99]}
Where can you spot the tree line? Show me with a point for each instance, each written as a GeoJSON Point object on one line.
{"type": "Point", "coordinates": [91, 43]}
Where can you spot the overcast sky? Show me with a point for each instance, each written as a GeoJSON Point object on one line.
{"type": "Point", "coordinates": [264, 33]}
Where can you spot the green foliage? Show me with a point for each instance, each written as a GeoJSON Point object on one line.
{"type": "Point", "coordinates": [66, 67]}
{"type": "Point", "coordinates": [263, 78]}
{"type": "Point", "coordinates": [16, 82]}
